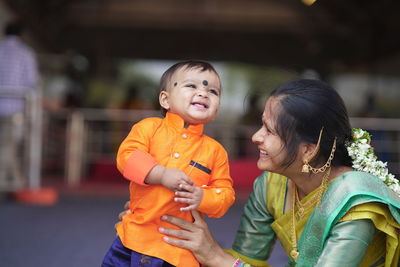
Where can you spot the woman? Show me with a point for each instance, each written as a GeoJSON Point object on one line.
{"type": "Point", "coordinates": [309, 197]}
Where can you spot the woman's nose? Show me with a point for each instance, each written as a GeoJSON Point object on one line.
{"type": "Point", "coordinates": [257, 137]}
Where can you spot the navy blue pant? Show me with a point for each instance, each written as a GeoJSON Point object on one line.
{"type": "Point", "coordinates": [120, 256]}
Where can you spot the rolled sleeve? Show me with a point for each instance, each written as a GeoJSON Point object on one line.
{"type": "Point", "coordinates": [219, 195]}
{"type": "Point", "coordinates": [138, 166]}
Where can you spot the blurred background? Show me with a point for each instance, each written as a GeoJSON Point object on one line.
{"type": "Point", "coordinates": [99, 63]}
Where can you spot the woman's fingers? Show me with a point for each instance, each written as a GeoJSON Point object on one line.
{"type": "Point", "coordinates": [115, 226]}
{"type": "Point", "coordinates": [181, 234]}
{"type": "Point", "coordinates": [177, 242]}
{"type": "Point", "coordinates": [189, 208]}
{"type": "Point", "coordinates": [192, 236]}
{"type": "Point", "coordinates": [121, 214]}
{"type": "Point", "coordinates": [126, 206]}
{"type": "Point", "coordinates": [197, 217]}
{"type": "Point", "coordinates": [178, 222]}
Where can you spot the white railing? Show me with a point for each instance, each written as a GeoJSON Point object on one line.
{"type": "Point", "coordinates": [32, 138]}
{"type": "Point", "coordinates": [89, 130]}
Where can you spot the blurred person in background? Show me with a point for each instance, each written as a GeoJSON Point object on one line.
{"type": "Point", "coordinates": [18, 78]}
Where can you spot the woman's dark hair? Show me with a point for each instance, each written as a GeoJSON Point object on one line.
{"type": "Point", "coordinates": [305, 107]}
{"type": "Point", "coordinates": [189, 64]}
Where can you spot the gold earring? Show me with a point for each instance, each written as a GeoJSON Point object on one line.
{"type": "Point", "coordinates": [306, 166]}
{"type": "Point", "coordinates": [328, 162]}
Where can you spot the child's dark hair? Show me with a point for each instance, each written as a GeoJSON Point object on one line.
{"type": "Point", "coordinates": [189, 64]}
{"type": "Point", "coordinates": [305, 107]}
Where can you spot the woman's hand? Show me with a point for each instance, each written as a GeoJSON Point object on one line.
{"type": "Point", "coordinates": [121, 214]}
{"type": "Point", "coordinates": [197, 238]}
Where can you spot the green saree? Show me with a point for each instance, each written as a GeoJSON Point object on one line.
{"type": "Point", "coordinates": [357, 212]}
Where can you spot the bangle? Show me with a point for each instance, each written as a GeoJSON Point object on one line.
{"type": "Point", "coordinates": [237, 263]}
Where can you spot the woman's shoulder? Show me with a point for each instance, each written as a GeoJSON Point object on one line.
{"type": "Point", "coordinates": [357, 183]}
{"type": "Point", "coordinates": [269, 179]}
{"type": "Point", "coordinates": [357, 178]}
{"type": "Point", "coordinates": [270, 188]}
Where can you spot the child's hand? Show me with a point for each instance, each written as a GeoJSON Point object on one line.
{"type": "Point", "coordinates": [167, 177]}
{"type": "Point", "coordinates": [189, 194]}
{"type": "Point", "coordinates": [172, 178]}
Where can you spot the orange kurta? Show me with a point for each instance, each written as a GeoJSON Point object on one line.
{"type": "Point", "coordinates": [166, 142]}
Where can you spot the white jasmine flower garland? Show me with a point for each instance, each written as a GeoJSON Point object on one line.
{"type": "Point", "coordinates": [365, 160]}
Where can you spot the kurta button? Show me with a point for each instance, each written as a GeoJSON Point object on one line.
{"type": "Point", "coordinates": [184, 136]}
{"type": "Point", "coordinates": [176, 155]}
{"type": "Point", "coordinates": [218, 191]}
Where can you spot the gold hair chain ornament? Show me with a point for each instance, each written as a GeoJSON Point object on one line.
{"type": "Point", "coordinates": [294, 253]}
{"type": "Point", "coordinates": [307, 167]}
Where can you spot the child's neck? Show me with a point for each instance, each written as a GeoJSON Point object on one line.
{"type": "Point", "coordinates": [187, 124]}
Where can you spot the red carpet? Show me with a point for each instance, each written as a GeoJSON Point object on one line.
{"type": "Point", "coordinates": [244, 172]}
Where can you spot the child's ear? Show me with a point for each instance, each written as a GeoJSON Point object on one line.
{"type": "Point", "coordinates": [163, 98]}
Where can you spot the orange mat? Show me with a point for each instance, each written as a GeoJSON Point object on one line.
{"type": "Point", "coordinates": [41, 196]}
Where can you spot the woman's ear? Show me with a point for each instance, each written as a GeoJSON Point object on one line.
{"type": "Point", "coordinates": [163, 98]}
{"type": "Point", "coordinates": [307, 152]}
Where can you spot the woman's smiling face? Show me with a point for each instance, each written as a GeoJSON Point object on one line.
{"type": "Point", "coordinates": [270, 145]}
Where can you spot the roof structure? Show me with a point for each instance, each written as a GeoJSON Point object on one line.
{"type": "Point", "coordinates": [285, 33]}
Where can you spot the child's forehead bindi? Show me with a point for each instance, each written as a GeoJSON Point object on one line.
{"type": "Point", "coordinates": [195, 75]}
